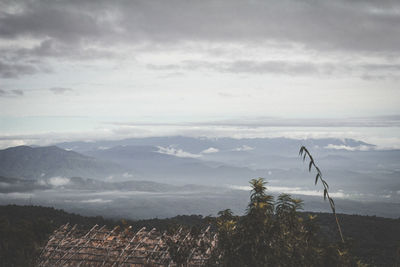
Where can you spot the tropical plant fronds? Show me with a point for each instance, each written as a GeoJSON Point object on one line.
{"type": "Point", "coordinates": [274, 233]}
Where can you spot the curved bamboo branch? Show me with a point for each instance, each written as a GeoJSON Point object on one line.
{"type": "Point", "coordinates": [304, 153]}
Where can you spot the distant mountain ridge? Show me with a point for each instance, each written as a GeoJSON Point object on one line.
{"type": "Point", "coordinates": [210, 160]}
{"type": "Point", "coordinates": [45, 162]}
{"type": "Point", "coordinates": [354, 168]}
{"type": "Point", "coordinates": [281, 145]}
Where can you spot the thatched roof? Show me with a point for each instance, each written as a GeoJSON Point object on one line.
{"type": "Point", "coordinates": [69, 246]}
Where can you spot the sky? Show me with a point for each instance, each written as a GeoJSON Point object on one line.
{"type": "Point", "coordinates": [116, 69]}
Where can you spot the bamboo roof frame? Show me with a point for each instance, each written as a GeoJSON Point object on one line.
{"type": "Point", "coordinates": [69, 246]}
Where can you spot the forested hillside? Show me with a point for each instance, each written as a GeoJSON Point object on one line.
{"type": "Point", "coordinates": [25, 229]}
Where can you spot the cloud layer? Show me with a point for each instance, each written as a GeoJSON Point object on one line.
{"type": "Point", "coordinates": [212, 61]}
{"type": "Point", "coordinates": [315, 24]}
{"type": "Point", "coordinates": [99, 29]}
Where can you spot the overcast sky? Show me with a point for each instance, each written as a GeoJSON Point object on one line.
{"type": "Point", "coordinates": [85, 66]}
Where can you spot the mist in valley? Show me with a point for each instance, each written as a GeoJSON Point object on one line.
{"type": "Point", "coordinates": [167, 176]}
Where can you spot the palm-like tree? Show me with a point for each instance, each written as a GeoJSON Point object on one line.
{"type": "Point", "coordinates": [259, 199]}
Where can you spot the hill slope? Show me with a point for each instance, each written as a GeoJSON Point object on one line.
{"type": "Point", "coordinates": [45, 162]}
{"type": "Point", "coordinates": [24, 229]}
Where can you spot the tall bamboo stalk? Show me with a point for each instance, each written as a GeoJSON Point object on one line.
{"type": "Point", "coordinates": [304, 152]}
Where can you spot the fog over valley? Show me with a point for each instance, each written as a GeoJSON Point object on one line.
{"type": "Point", "coordinates": [139, 177]}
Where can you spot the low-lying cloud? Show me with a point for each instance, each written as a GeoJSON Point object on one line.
{"type": "Point", "coordinates": [96, 200]}
{"type": "Point", "coordinates": [210, 150]}
{"type": "Point", "coordinates": [244, 148]}
{"type": "Point", "coordinates": [58, 181]}
{"type": "Point", "coordinates": [295, 191]}
{"type": "Point", "coordinates": [177, 152]}
{"type": "Point", "coordinates": [349, 148]}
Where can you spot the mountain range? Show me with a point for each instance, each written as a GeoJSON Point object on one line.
{"type": "Point", "coordinates": [45, 162]}
{"type": "Point", "coordinates": [200, 171]}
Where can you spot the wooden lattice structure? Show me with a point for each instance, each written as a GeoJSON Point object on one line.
{"type": "Point", "coordinates": [69, 246]}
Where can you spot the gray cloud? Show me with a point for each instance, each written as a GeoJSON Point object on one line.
{"type": "Point", "coordinates": [364, 71]}
{"type": "Point", "coordinates": [248, 66]}
{"type": "Point", "coordinates": [314, 24]}
{"type": "Point", "coordinates": [60, 90]}
{"type": "Point", "coordinates": [17, 92]}
{"type": "Point", "coordinates": [89, 29]}
{"type": "Point", "coordinates": [11, 93]}
{"type": "Point", "coordinates": [68, 22]}
{"type": "Point", "coordinates": [379, 121]}
{"type": "Point", "coordinates": [56, 49]}
{"type": "Point", "coordinates": [167, 67]}
{"type": "Point", "coordinates": [343, 25]}
{"type": "Point", "coordinates": [15, 70]}
{"type": "Point", "coordinates": [275, 67]}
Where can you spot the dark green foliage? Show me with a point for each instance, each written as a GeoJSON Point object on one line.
{"type": "Point", "coordinates": [24, 230]}
{"type": "Point", "coordinates": [375, 240]}
{"type": "Point", "coordinates": [180, 250]}
{"type": "Point", "coordinates": [274, 233]}
{"type": "Point", "coordinates": [171, 224]}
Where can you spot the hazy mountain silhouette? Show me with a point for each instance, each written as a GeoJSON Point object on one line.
{"type": "Point", "coordinates": [44, 162]}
